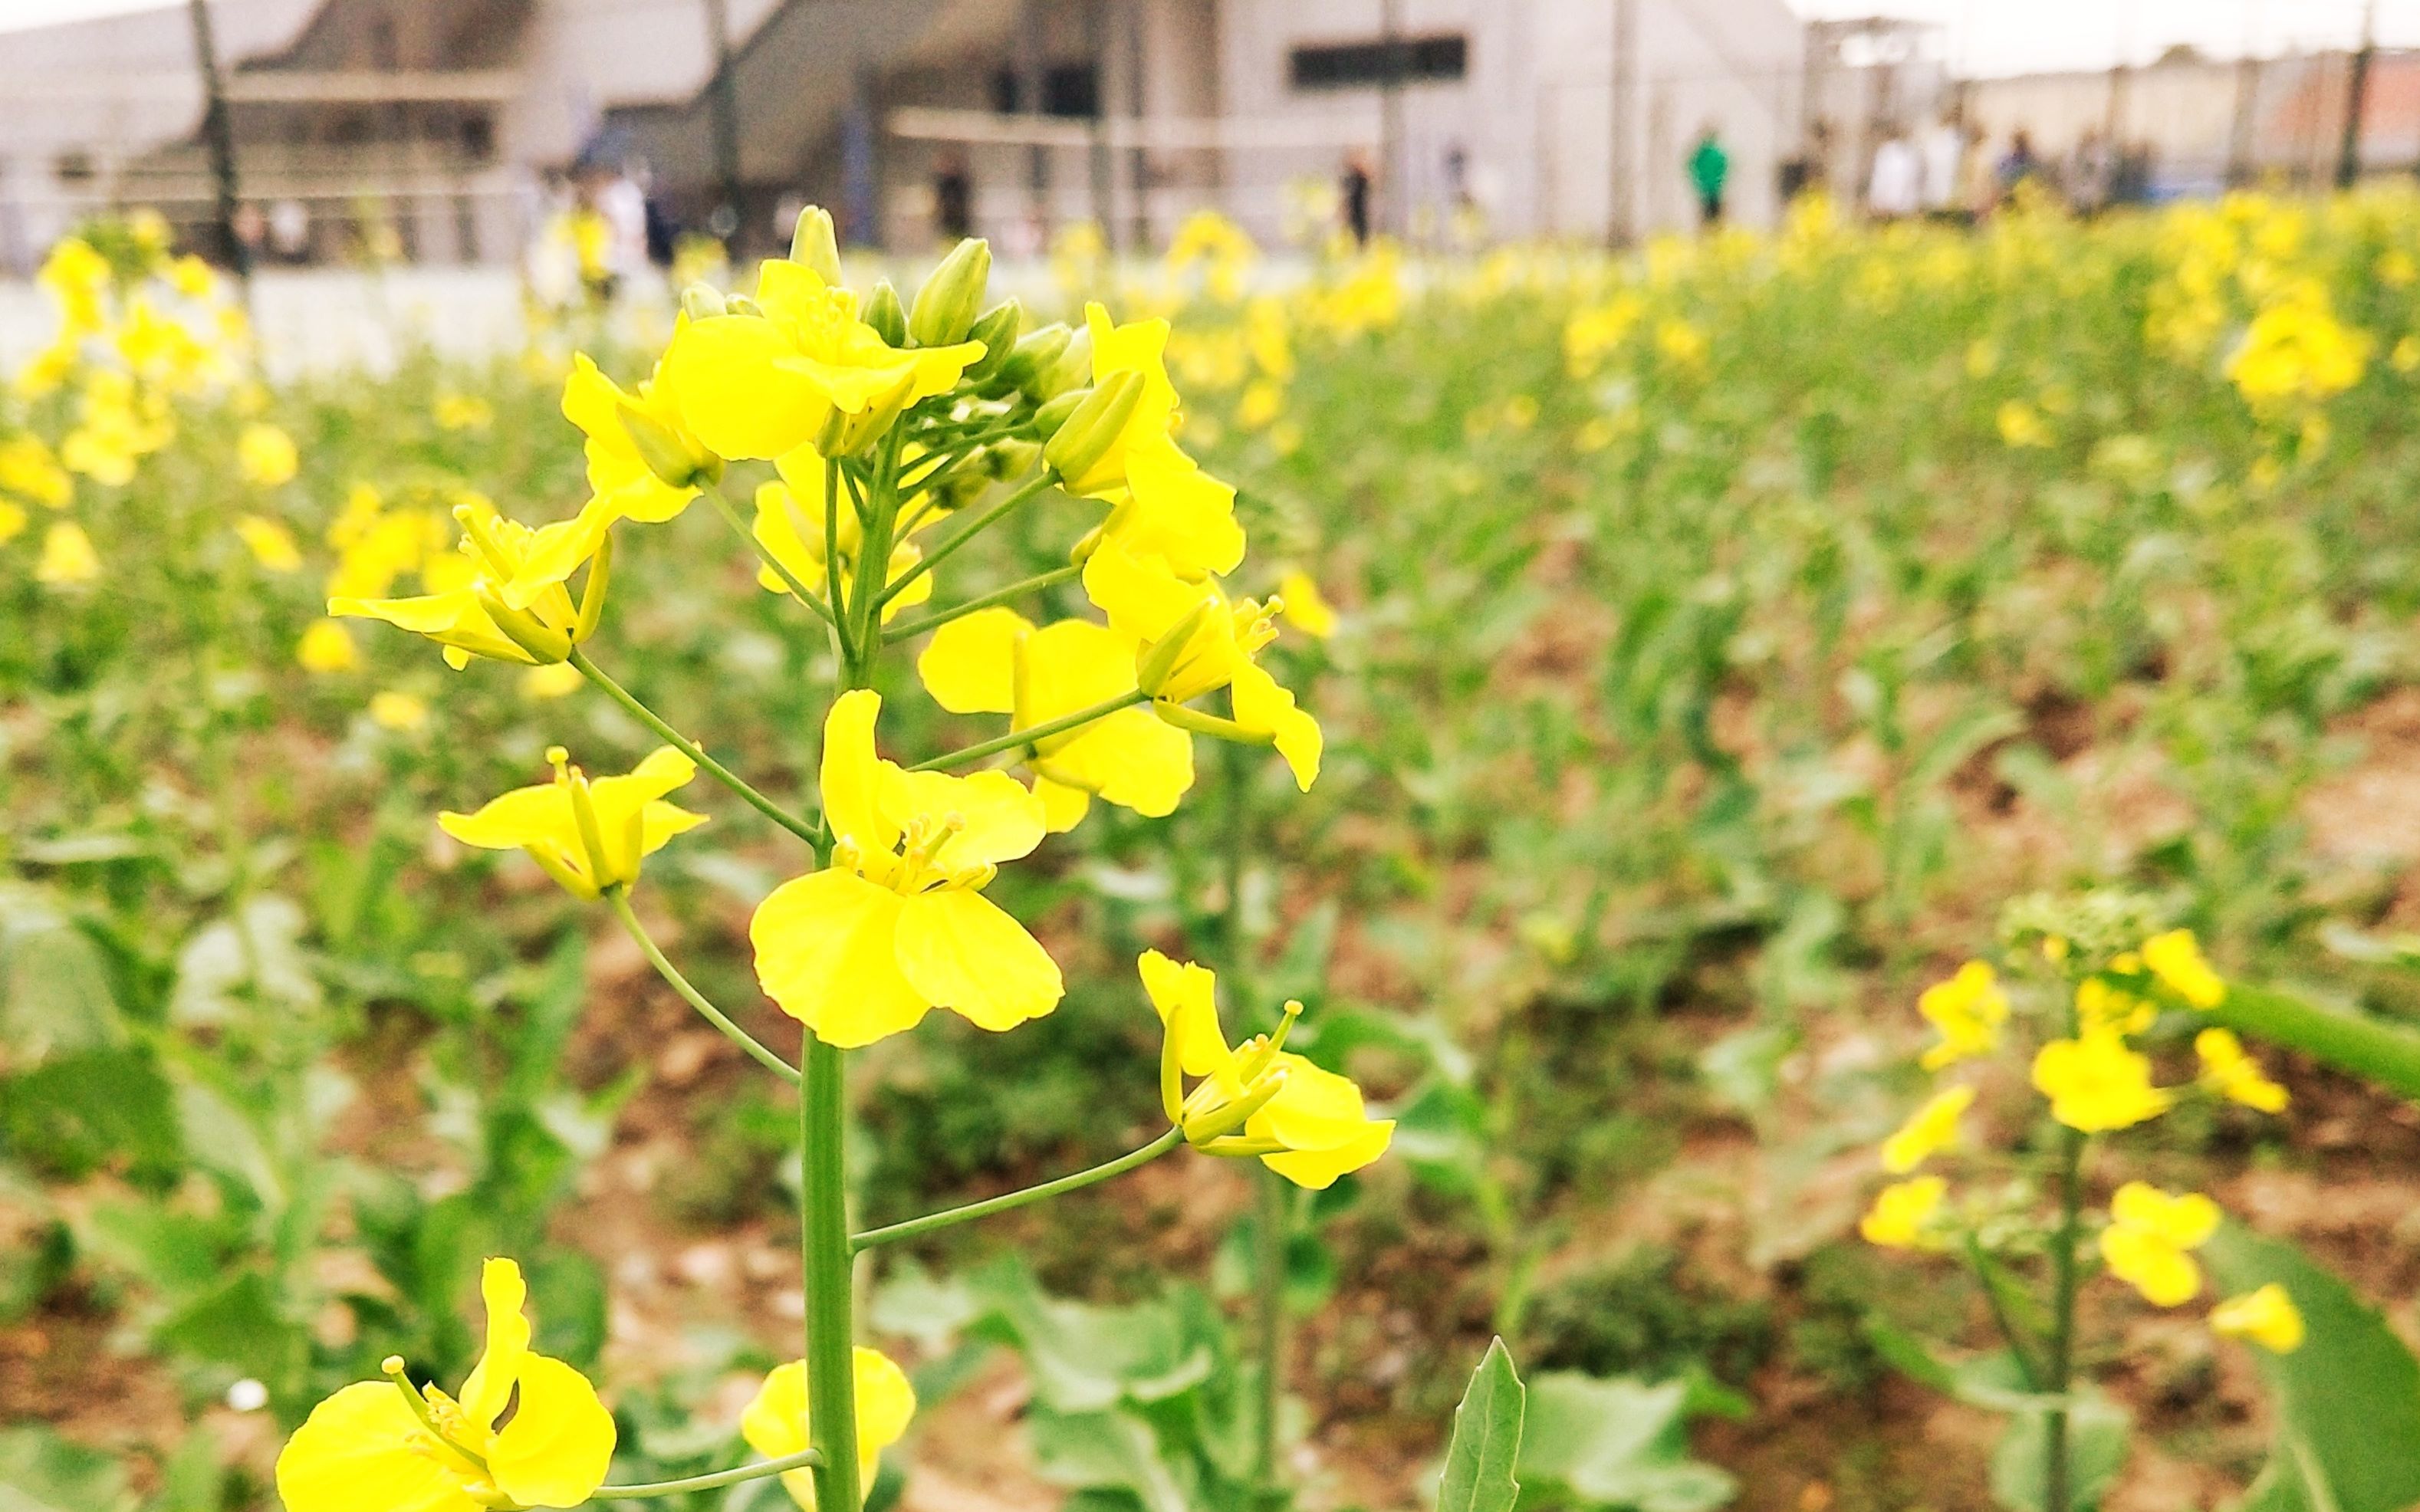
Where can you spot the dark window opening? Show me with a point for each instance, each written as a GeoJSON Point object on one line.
{"type": "Point", "coordinates": [1360, 64]}
{"type": "Point", "coordinates": [1069, 92]}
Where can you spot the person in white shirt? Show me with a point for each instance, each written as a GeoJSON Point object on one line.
{"type": "Point", "coordinates": [1945, 162]}
{"type": "Point", "coordinates": [1894, 188]}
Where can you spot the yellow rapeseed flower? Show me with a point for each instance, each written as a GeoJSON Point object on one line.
{"type": "Point", "coordinates": [1190, 641]}
{"type": "Point", "coordinates": [1162, 502]}
{"type": "Point", "coordinates": [776, 1424]}
{"type": "Point", "coordinates": [2266, 1316]}
{"type": "Point", "coordinates": [1305, 607]}
{"type": "Point", "coordinates": [2227, 1070]}
{"type": "Point", "coordinates": [327, 646]}
{"type": "Point", "coordinates": [2096, 1084]}
{"type": "Point", "coordinates": [2021, 425]}
{"type": "Point", "coordinates": [587, 835]}
{"type": "Point", "coordinates": [13, 519]}
{"type": "Point", "coordinates": [391, 1446]}
{"type": "Point", "coordinates": [68, 558]}
{"type": "Point", "coordinates": [898, 925]}
{"type": "Point", "coordinates": [555, 680]}
{"type": "Point", "coordinates": [503, 604]}
{"type": "Point", "coordinates": [30, 473]}
{"type": "Point", "coordinates": [1968, 1011]}
{"type": "Point", "coordinates": [1906, 1215]}
{"type": "Point", "coordinates": [403, 712]}
{"type": "Point", "coordinates": [622, 426]}
{"type": "Point", "coordinates": [462, 411]}
{"type": "Point", "coordinates": [2149, 1239]}
{"type": "Point", "coordinates": [1929, 1130]}
{"type": "Point", "coordinates": [2176, 959]}
{"type": "Point", "coordinates": [1305, 1123]}
{"type": "Point", "coordinates": [805, 369]}
{"type": "Point", "coordinates": [270, 542]}
{"type": "Point", "coordinates": [994, 661]}
{"type": "Point", "coordinates": [265, 456]}
{"type": "Point", "coordinates": [2100, 1005]}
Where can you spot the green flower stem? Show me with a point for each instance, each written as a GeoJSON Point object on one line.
{"type": "Point", "coordinates": [804, 1459]}
{"type": "Point", "coordinates": [730, 513]}
{"type": "Point", "coordinates": [908, 629]}
{"type": "Point", "coordinates": [844, 648]}
{"type": "Point", "coordinates": [725, 775]}
{"type": "Point", "coordinates": [2057, 1489]}
{"type": "Point", "coordinates": [1044, 731]}
{"type": "Point", "coordinates": [914, 1227]}
{"type": "Point", "coordinates": [831, 1372]}
{"type": "Point", "coordinates": [981, 522]}
{"type": "Point", "coordinates": [2385, 1055]}
{"type": "Point", "coordinates": [758, 1051]}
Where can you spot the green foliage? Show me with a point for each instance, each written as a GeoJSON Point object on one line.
{"type": "Point", "coordinates": [2347, 1402]}
{"type": "Point", "coordinates": [1483, 1455]}
{"type": "Point", "coordinates": [1614, 1444]}
{"type": "Point", "coordinates": [1644, 1314]}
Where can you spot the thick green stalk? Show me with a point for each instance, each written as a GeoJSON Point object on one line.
{"type": "Point", "coordinates": [913, 1228]}
{"type": "Point", "coordinates": [795, 825]}
{"type": "Point", "coordinates": [909, 630]}
{"type": "Point", "coordinates": [2057, 1489]}
{"type": "Point", "coordinates": [832, 1378]}
{"type": "Point", "coordinates": [1044, 731]}
{"type": "Point", "coordinates": [804, 1459]}
{"type": "Point", "coordinates": [763, 1056]}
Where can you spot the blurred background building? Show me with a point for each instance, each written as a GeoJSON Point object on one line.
{"type": "Point", "coordinates": [449, 131]}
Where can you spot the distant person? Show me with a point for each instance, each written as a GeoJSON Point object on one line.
{"type": "Point", "coordinates": [953, 200]}
{"type": "Point", "coordinates": [1944, 150]}
{"type": "Point", "coordinates": [1895, 187]}
{"type": "Point", "coordinates": [1807, 170]}
{"type": "Point", "coordinates": [1352, 196]}
{"type": "Point", "coordinates": [2131, 183]}
{"type": "Point", "coordinates": [1709, 169]}
{"type": "Point", "coordinates": [289, 230]}
{"type": "Point", "coordinates": [2019, 165]}
{"type": "Point", "coordinates": [2090, 173]}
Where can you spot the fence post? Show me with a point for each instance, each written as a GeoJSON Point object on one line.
{"type": "Point", "coordinates": [218, 131]}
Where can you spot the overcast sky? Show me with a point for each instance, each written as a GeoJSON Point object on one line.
{"type": "Point", "coordinates": [1980, 36]}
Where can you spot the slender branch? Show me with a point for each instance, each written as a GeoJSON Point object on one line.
{"type": "Point", "coordinates": [730, 513]}
{"type": "Point", "coordinates": [804, 1459]}
{"type": "Point", "coordinates": [771, 1061]}
{"type": "Point", "coordinates": [825, 1247]}
{"type": "Point", "coordinates": [973, 528]}
{"type": "Point", "coordinates": [907, 629]}
{"type": "Point", "coordinates": [1044, 731]}
{"type": "Point", "coordinates": [847, 651]}
{"type": "Point", "coordinates": [691, 749]}
{"type": "Point", "coordinates": [1986, 1271]}
{"type": "Point", "coordinates": [915, 1226]}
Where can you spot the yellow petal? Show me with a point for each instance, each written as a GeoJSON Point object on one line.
{"type": "Point", "coordinates": [1133, 758]}
{"type": "Point", "coordinates": [359, 1442]}
{"type": "Point", "coordinates": [827, 952]}
{"type": "Point", "coordinates": [1185, 997]}
{"type": "Point", "coordinates": [970, 665]}
{"type": "Point", "coordinates": [734, 392]}
{"type": "Point", "coordinates": [777, 1424]}
{"type": "Point", "coordinates": [853, 774]}
{"type": "Point", "coordinates": [1261, 705]}
{"type": "Point", "coordinates": [1143, 597]}
{"type": "Point", "coordinates": [490, 1385]}
{"type": "Point", "coordinates": [560, 1443]}
{"type": "Point", "coordinates": [997, 818]}
{"type": "Point", "coordinates": [524, 817]}
{"type": "Point", "coordinates": [1318, 1169]}
{"type": "Point", "coordinates": [964, 954]}
{"type": "Point", "coordinates": [1063, 807]}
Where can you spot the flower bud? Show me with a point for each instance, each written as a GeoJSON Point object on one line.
{"type": "Point", "coordinates": [1072, 369]}
{"type": "Point", "coordinates": [1158, 664]}
{"type": "Point", "coordinates": [945, 306]}
{"type": "Point", "coordinates": [1031, 354]}
{"type": "Point", "coordinates": [883, 311]}
{"type": "Point", "coordinates": [672, 455]}
{"type": "Point", "coordinates": [742, 304]}
{"type": "Point", "coordinates": [701, 301]}
{"type": "Point", "coordinates": [1009, 459]}
{"type": "Point", "coordinates": [997, 331]}
{"type": "Point", "coordinates": [1048, 420]}
{"type": "Point", "coordinates": [1094, 427]}
{"type": "Point", "coordinates": [814, 243]}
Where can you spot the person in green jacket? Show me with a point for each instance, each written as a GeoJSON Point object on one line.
{"type": "Point", "coordinates": [1709, 167]}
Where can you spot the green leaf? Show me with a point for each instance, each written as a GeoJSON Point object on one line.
{"type": "Point", "coordinates": [80, 1110]}
{"type": "Point", "coordinates": [1090, 1451]}
{"type": "Point", "coordinates": [2366, 1047]}
{"type": "Point", "coordinates": [1615, 1442]}
{"type": "Point", "coordinates": [41, 1472]}
{"type": "Point", "coordinates": [1485, 1449]}
{"type": "Point", "coordinates": [2348, 1401]}
{"type": "Point", "coordinates": [260, 951]}
{"type": "Point", "coordinates": [2098, 1431]}
{"type": "Point", "coordinates": [54, 993]}
{"type": "Point", "coordinates": [192, 1480]}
